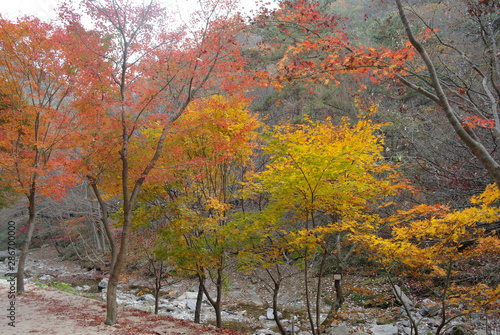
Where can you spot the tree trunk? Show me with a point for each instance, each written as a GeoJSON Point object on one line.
{"type": "Point", "coordinates": [119, 265]}
{"type": "Point", "coordinates": [158, 274]}
{"type": "Point", "coordinates": [216, 303]}
{"type": "Point", "coordinates": [27, 241]}
{"type": "Point", "coordinates": [104, 220]}
{"type": "Point", "coordinates": [276, 290]}
{"type": "Point", "coordinates": [199, 299]}
{"type": "Point", "coordinates": [308, 298]}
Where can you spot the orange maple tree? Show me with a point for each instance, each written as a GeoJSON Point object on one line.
{"type": "Point", "coordinates": [39, 119]}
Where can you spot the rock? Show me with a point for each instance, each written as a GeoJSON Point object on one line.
{"type": "Point", "coordinates": [460, 330]}
{"type": "Point", "coordinates": [85, 288]}
{"type": "Point", "coordinates": [46, 278]}
{"type": "Point", "coordinates": [188, 296]}
{"type": "Point", "coordinates": [262, 318]}
{"type": "Point", "coordinates": [384, 330]}
{"type": "Point", "coordinates": [191, 304]}
{"type": "Point", "coordinates": [148, 298]}
{"type": "Point", "coordinates": [270, 314]}
{"type": "Point", "coordinates": [336, 330]}
{"type": "Point", "coordinates": [304, 333]}
{"type": "Point", "coordinates": [401, 297]}
{"type": "Point", "coordinates": [31, 270]}
{"type": "Point", "coordinates": [103, 284]}
{"type": "Point", "coordinates": [264, 332]}
{"type": "Point", "coordinates": [430, 308]}
{"type": "Point", "coordinates": [5, 254]}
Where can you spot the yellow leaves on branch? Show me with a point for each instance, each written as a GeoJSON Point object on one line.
{"type": "Point", "coordinates": [321, 166]}
{"type": "Point", "coordinates": [426, 236]}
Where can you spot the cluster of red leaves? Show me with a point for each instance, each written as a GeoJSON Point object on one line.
{"type": "Point", "coordinates": [322, 50]}
{"type": "Point", "coordinates": [476, 121]}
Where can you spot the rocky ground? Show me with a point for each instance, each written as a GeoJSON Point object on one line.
{"type": "Point", "coordinates": [246, 304]}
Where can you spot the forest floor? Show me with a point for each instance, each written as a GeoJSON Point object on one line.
{"type": "Point", "coordinates": [52, 312]}
{"type": "Point", "coordinates": [43, 309]}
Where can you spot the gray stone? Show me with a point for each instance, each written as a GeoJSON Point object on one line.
{"type": "Point", "coordinates": [188, 296]}
{"type": "Point", "coordinates": [148, 299]}
{"type": "Point", "coordinates": [264, 332]}
{"type": "Point", "coordinates": [430, 308]}
{"type": "Point", "coordinates": [103, 284]}
{"type": "Point", "coordinates": [270, 314]}
{"type": "Point", "coordinates": [384, 330]}
{"type": "Point", "coordinates": [46, 278]}
{"type": "Point", "coordinates": [336, 330]}
{"type": "Point", "coordinates": [5, 254]}
{"type": "Point", "coordinates": [401, 297]}
{"type": "Point", "coordinates": [85, 288]}
{"type": "Point", "coordinates": [191, 304]}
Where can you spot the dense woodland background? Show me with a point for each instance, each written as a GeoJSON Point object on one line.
{"type": "Point", "coordinates": [311, 137]}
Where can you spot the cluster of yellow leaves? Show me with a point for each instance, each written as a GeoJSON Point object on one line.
{"type": "Point", "coordinates": [320, 166]}
{"type": "Point", "coordinates": [209, 146]}
{"type": "Point", "coordinates": [429, 237]}
{"type": "Point", "coordinates": [478, 298]}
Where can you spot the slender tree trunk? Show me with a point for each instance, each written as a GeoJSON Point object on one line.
{"type": "Point", "coordinates": [308, 299]}
{"type": "Point", "coordinates": [218, 310]}
{"type": "Point", "coordinates": [199, 299]}
{"type": "Point", "coordinates": [27, 241]}
{"type": "Point", "coordinates": [318, 290]}
{"type": "Point", "coordinates": [216, 303]}
{"type": "Point", "coordinates": [119, 265]}
{"type": "Point", "coordinates": [104, 220]}
{"type": "Point", "coordinates": [277, 319]}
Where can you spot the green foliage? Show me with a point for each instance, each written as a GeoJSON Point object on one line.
{"type": "Point", "coordinates": [61, 286]}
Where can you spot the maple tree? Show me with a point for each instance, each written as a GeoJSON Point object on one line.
{"type": "Point", "coordinates": [429, 242]}
{"type": "Point", "coordinates": [39, 118]}
{"type": "Point", "coordinates": [152, 70]}
{"type": "Point", "coordinates": [213, 145]}
{"type": "Point", "coordinates": [323, 181]}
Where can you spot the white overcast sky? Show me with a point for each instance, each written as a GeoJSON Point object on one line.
{"type": "Point", "coordinates": [45, 9]}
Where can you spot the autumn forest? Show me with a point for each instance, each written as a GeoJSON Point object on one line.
{"type": "Point", "coordinates": [313, 139]}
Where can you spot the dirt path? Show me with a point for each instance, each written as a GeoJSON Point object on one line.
{"type": "Point", "coordinates": [48, 311]}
